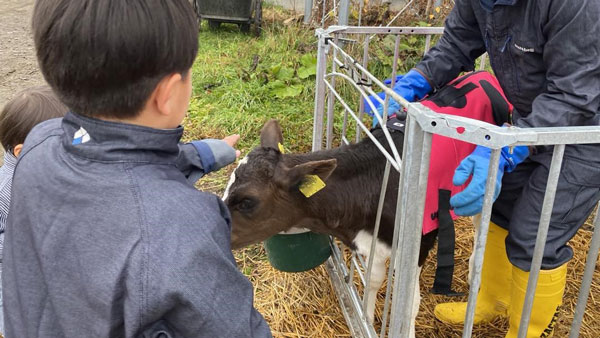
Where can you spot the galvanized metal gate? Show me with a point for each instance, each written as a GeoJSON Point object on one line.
{"type": "Point", "coordinates": [337, 66]}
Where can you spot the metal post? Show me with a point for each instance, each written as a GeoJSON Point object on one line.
{"type": "Point", "coordinates": [323, 12]}
{"type": "Point", "coordinates": [584, 291]}
{"type": "Point", "coordinates": [540, 242]}
{"type": "Point", "coordinates": [360, 10]}
{"type": "Point", "coordinates": [317, 142]}
{"type": "Point", "coordinates": [308, 4]}
{"type": "Point", "coordinates": [417, 166]}
{"type": "Point", "coordinates": [395, 240]}
{"type": "Point", "coordinates": [361, 105]}
{"type": "Point", "coordinates": [393, 83]}
{"type": "Point", "coordinates": [330, 102]}
{"type": "Point", "coordinates": [482, 61]}
{"type": "Point", "coordinates": [486, 213]}
{"type": "Point", "coordinates": [344, 12]}
{"type": "Point", "coordinates": [384, 183]}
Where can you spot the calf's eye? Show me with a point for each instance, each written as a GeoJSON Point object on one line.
{"type": "Point", "coordinates": [247, 204]}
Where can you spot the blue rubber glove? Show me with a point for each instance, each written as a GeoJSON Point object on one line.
{"type": "Point", "coordinates": [469, 202]}
{"type": "Point", "coordinates": [412, 86]}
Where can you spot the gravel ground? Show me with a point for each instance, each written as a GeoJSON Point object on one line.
{"type": "Point", "coordinates": [18, 65]}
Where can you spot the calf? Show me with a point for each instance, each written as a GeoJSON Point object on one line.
{"type": "Point", "coordinates": [264, 199]}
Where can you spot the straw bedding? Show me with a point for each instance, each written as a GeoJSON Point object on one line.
{"type": "Point", "coordinates": [305, 305]}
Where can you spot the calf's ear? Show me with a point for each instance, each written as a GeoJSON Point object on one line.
{"type": "Point", "coordinates": [270, 135]}
{"type": "Point", "coordinates": [293, 176]}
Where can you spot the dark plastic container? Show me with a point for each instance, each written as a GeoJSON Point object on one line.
{"type": "Point", "coordinates": [297, 252]}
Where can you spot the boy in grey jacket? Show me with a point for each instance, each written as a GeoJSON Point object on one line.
{"type": "Point", "coordinates": [105, 236]}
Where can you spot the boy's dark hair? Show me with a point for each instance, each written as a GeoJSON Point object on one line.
{"type": "Point", "coordinates": [28, 108]}
{"type": "Point", "coordinates": [105, 57]}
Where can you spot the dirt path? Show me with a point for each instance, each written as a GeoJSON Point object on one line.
{"type": "Point", "coordinates": [18, 65]}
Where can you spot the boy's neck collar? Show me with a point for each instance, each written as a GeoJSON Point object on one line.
{"type": "Point", "coordinates": [137, 121]}
{"type": "Point", "coordinates": [119, 142]}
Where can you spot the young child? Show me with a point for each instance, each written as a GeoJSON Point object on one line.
{"type": "Point", "coordinates": [18, 117]}
{"type": "Point", "coordinates": [105, 236]}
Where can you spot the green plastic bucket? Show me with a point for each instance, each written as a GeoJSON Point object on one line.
{"type": "Point", "coordinates": [297, 251]}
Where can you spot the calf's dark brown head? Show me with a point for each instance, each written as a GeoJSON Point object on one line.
{"type": "Point", "coordinates": [263, 192]}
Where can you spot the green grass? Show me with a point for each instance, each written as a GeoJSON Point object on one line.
{"type": "Point", "coordinates": [235, 80]}
{"type": "Point", "coordinates": [241, 81]}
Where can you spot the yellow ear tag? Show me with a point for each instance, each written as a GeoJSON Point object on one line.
{"type": "Point", "coordinates": [311, 185]}
{"type": "Point", "coordinates": [281, 150]}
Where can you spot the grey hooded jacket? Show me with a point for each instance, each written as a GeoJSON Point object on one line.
{"type": "Point", "coordinates": [545, 54]}
{"type": "Point", "coordinates": [107, 238]}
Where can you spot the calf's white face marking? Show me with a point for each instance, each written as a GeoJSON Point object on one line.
{"type": "Point", "coordinates": [232, 177]}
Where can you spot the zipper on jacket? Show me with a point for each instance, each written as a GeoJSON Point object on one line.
{"type": "Point", "coordinates": [486, 39]}
{"type": "Point", "coordinates": [508, 38]}
{"type": "Point", "coordinates": [512, 60]}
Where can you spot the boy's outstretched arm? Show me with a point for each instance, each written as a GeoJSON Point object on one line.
{"type": "Point", "coordinates": [199, 158]}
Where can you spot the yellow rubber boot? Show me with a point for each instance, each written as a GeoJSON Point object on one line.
{"type": "Point", "coordinates": [546, 302]}
{"type": "Point", "coordinates": [494, 293]}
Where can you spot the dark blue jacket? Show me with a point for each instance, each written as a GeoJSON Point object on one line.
{"type": "Point", "coordinates": [107, 238]}
{"type": "Point", "coordinates": [545, 54]}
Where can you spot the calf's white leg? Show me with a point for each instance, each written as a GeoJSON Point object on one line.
{"type": "Point", "coordinates": [377, 277]}
{"type": "Point", "coordinates": [363, 241]}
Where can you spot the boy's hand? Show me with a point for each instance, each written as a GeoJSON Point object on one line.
{"type": "Point", "coordinates": [231, 140]}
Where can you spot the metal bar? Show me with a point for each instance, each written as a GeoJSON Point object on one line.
{"type": "Point", "coordinates": [486, 213]}
{"type": "Point", "coordinates": [393, 19]}
{"type": "Point", "coordinates": [386, 104]}
{"type": "Point", "coordinates": [385, 30]}
{"type": "Point", "coordinates": [399, 13]}
{"type": "Point", "coordinates": [348, 297]}
{"type": "Point", "coordinates": [330, 103]}
{"type": "Point", "coordinates": [362, 262]}
{"type": "Point", "coordinates": [317, 142]}
{"type": "Point", "coordinates": [395, 238]}
{"type": "Point", "coordinates": [323, 7]}
{"type": "Point", "coordinates": [482, 61]}
{"type": "Point", "coordinates": [362, 126]}
{"type": "Point", "coordinates": [584, 290]}
{"type": "Point", "coordinates": [419, 145]}
{"type": "Point", "coordinates": [407, 158]}
{"type": "Point", "coordinates": [384, 183]}
{"type": "Point", "coordinates": [383, 118]}
{"type": "Point", "coordinates": [344, 12]}
{"type": "Point", "coordinates": [495, 137]}
{"type": "Point", "coordinates": [355, 261]}
{"type": "Point", "coordinates": [427, 7]}
{"type": "Point", "coordinates": [308, 4]}
{"type": "Point", "coordinates": [427, 44]}
{"type": "Point", "coordinates": [540, 242]}
{"type": "Point", "coordinates": [376, 81]}
{"type": "Point", "coordinates": [361, 110]}
{"type": "Point", "coordinates": [360, 9]}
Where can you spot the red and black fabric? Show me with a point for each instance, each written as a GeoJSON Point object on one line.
{"type": "Point", "coordinates": [476, 95]}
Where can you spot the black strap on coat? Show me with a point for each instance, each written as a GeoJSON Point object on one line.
{"type": "Point", "coordinates": [442, 284]}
